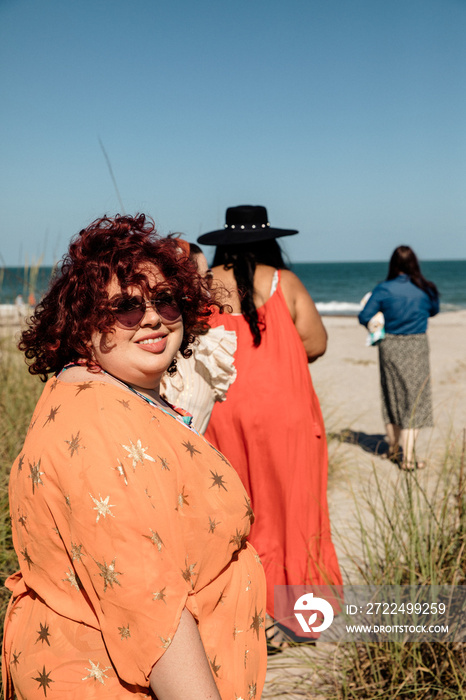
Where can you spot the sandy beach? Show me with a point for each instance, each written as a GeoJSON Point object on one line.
{"type": "Point", "coordinates": [346, 379]}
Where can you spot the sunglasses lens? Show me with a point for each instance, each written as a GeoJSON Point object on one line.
{"type": "Point", "coordinates": [129, 312]}
{"type": "Point", "coordinates": [167, 308]}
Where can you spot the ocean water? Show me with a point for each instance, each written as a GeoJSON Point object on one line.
{"type": "Point", "coordinates": [337, 288]}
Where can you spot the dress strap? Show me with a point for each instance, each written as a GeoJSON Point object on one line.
{"type": "Point", "coordinates": [275, 281]}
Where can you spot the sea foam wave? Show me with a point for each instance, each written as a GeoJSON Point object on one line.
{"type": "Point", "coordinates": [338, 308]}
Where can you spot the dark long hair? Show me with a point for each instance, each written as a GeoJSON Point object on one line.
{"type": "Point", "coordinates": [242, 259]}
{"type": "Point", "coordinates": [404, 261]}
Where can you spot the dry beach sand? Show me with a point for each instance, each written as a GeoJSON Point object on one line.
{"type": "Point", "coordinates": [347, 382]}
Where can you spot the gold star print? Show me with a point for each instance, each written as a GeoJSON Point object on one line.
{"type": "Point", "coordinates": [252, 691]}
{"type": "Point", "coordinates": [28, 559]}
{"type": "Point", "coordinates": [109, 575]}
{"type": "Point", "coordinates": [237, 539]}
{"type": "Point", "coordinates": [76, 553]}
{"type": "Point", "coordinates": [20, 463]}
{"type": "Point", "coordinates": [236, 632]}
{"type": "Point", "coordinates": [32, 424]}
{"type": "Point", "coordinates": [83, 387]}
{"type": "Point", "coordinates": [22, 520]}
{"type": "Point", "coordinates": [257, 622]}
{"type": "Point", "coordinates": [122, 472]}
{"type": "Point", "coordinates": [160, 595]}
{"type": "Point", "coordinates": [190, 448]}
{"type": "Point", "coordinates": [102, 507]}
{"type": "Point", "coordinates": [212, 524]}
{"type": "Point", "coordinates": [217, 480]}
{"type": "Point", "coordinates": [53, 385]}
{"type": "Point", "coordinates": [215, 668]}
{"type": "Point", "coordinates": [68, 501]}
{"type": "Point", "coordinates": [35, 474]}
{"type": "Point", "coordinates": [164, 463]}
{"type": "Point", "coordinates": [257, 558]}
{"type": "Point", "coordinates": [238, 697]}
{"type": "Point", "coordinates": [220, 599]}
{"type": "Point", "coordinates": [44, 680]}
{"type": "Point", "coordinates": [188, 573]}
{"type": "Point", "coordinates": [182, 499]}
{"type": "Point", "coordinates": [74, 443]}
{"type": "Point", "coordinates": [155, 539]}
{"type": "Point", "coordinates": [249, 511]}
{"type": "Point", "coordinates": [137, 453]}
{"type": "Point", "coordinates": [124, 403]}
{"type": "Point", "coordinates": [72, 579]}
{"type": "Point", "coordinates": [43, 633]}
{"type": "Point", "coordinates": [124, 632]}
{"type": "Point", "coordinates": [165, 642]}
{"type": "Point", "coordinates": [246, 652]}
{"type": "Point", "coordinates": [15, 659]}
{"type": "Point", "coordinates": [97, 673]}
{"type": "Point", "coordinates": [51, 416]}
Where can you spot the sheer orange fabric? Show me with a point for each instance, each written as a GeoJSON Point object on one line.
{"type": "Point", "coordinates": [122, 516]}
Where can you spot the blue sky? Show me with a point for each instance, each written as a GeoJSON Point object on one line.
{"type": "Point", "coordinates": [345, 118]}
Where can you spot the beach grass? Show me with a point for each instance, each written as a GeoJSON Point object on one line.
{"type": "Point", "coordinates": [19, 392]}
{"type": "Point", "coordinates": [413, 533]}
{"type": "Point", "coordinates": [418, 538]}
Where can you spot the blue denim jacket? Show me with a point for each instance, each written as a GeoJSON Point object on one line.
{"type": "Point", "coordinates": [406, 308]}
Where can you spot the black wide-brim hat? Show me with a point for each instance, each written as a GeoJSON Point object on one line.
{"type": "Point", "coordinates": [244, 224]}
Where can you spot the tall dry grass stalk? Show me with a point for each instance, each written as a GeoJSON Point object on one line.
{"type": "Point", "coordinates": [413, 534]}
{"type": "Point", "coordinates": [31, 273]}
{"type": "Point", "coordinates": [19, 392]}
{"type": "Point", "coordinates": [418, 538]}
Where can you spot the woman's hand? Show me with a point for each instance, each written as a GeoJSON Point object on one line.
{"type": "Point", "coordinates": [183, 672]}
{"type": "Point", "coordinates": [305, 316]}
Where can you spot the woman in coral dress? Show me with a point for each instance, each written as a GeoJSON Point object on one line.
{"type": "Point", "coordinates": [136, 579]}
{"type": "Point", "coordinates": [270, 426]}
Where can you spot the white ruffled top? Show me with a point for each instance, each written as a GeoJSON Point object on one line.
{"type": "Point", "coordinates": [203, 378]}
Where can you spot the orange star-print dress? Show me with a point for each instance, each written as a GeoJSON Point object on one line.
{"type": "Point", "coordinates": [122, 516]}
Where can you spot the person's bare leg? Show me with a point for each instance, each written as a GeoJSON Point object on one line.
{"type": "Point", "coordinates": [393, 435]}
{"type": "Point", "coordinates": [408, 443]}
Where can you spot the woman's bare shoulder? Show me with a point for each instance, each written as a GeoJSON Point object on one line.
{"type": "Point", "coordinates": [263, 277]}
{"type": "Point", "coordinates": [291, 281]}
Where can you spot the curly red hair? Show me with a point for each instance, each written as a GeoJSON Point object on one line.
{"type": "Point", "coordinates": [77, 304]}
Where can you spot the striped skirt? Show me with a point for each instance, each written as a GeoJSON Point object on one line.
{"type": "Point", "coordinates": [405, 380]}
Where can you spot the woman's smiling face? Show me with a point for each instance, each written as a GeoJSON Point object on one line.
{"type": "Point", "coordinates": [139, 355]}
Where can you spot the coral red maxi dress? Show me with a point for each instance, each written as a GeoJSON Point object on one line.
{"type": "Point", "coordinates": [271, 429]}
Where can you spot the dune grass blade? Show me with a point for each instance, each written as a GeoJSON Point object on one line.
{"type": "Point", "coordinates": [19, 392]}
{"type": "Point", "coordinates": [412, 532]}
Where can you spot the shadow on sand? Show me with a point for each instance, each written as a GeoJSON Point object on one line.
{"type": "Point", "coordinates": [375, 444]}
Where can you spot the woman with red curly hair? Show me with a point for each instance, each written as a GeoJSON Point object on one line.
{"type": "Point", "coordinates": [136, 579]}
